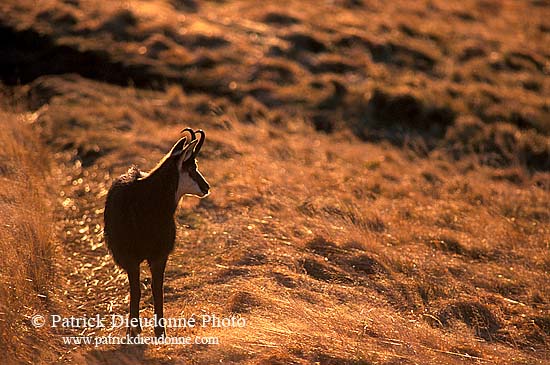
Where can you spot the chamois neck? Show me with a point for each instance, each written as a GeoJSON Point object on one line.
{"type": "Point", "coordinates": [162, 183]}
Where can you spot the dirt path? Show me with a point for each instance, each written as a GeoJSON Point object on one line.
{"type": "Point", "coordinates": [93, 285]}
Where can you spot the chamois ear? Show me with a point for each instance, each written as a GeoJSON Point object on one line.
{"type": "Point", "coordinates": [178, 147]}
{"type": "Point", "coordinates": [188, 151]}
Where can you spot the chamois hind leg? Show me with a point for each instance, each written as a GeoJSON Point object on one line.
{"type": "Point", "coordinates": [157, 267]}
{"type": "Point", "coordinates": [134, 329]}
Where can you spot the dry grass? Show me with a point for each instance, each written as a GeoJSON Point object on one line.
{"type": "Point", "coordinates": [379, 171]}
{"type": "Point", "coordinates": [26, 275]}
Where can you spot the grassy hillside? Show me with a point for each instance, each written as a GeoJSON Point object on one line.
{"type": "Point", "coordinates": [380, 173]}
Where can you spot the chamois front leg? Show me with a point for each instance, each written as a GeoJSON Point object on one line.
{"type": "Point", "coordinates": [134, 329]}
{"type": "Point", "coordinates": [157, 272]}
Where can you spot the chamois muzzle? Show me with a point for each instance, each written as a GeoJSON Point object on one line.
{"type": "Point", "coordinates": [204, 186]}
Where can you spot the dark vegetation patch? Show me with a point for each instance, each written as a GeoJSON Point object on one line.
{"type": "Point", "coordinates": [347, 260]}
{"type": "Point", "coordinates": [413, 32]}
{"type": "Point", "coordinates": [521, 61]}
{"type": "Point", "coordinates": [279, 73]}
{"type": "Point", "coordinates": [431, 177]}
{"type": "Point", "coordinates": [511, 175]}
{"type": "Point", "coordinates": [321, 246]}
{"type": "Point", "coordinates": [402, 56]}
{"type": "Point", "coordinates": [284, 280]}
{"type": "Point", "coordinates": [543, 323]}
{"type": "Point", "coordinates": [88, 154]}
{"type": "Point", "coordinates": [242, 302]}
{"type": "Point", "coordinates": [451, 245]}
{"type": "Point", "coordinates": [408, 110]}
{"type": "Point", "coordinates": [334, 97]}
{"type": "Point", "coordinates": [499, 144]}
{"type": "Point", "coordinates": [402, 118]}
{"type": "Point", "coordinates": [193, 41]}
{"type": "Point", "coordinates": [328, 359]}
{"type": "Point", "coordinates": [470, 52]}
{"type": "Point", "coordinates": [186, 5]}
{"type": "Point", "coordinates": [280, 19]}
{"type": "Point", "coordinates": [156, 44]}
{"type": "Point", "coordinates": [29, 55]}
{"type": "Point", "coordinates": [391, 53]}
{"type": "Point", "coordinates": [121, 26]}
{"type": "Point", "coordinates": [252, 259]}
{"type": "Point", "coordinates": [219, 150]}
{"type": "Point", "coordinates": [57, 15]}
{"type": "Point", "coordinates": [448, 244]}
{"type": "Point", "coordinates": [465, 16]}
{"type": "Point", "coordinates": [267, 96]}
{"type": "Point", "coordinates": [304, 42]}
{"type": "Point", "coordinates": [333, 66]}
{"type": "Point", "coordinates": [432, 289]}
{"type": "Point", "coordinates": [226, 275]}
{"type": "Point", "coordinates": [43, 89]}
{"type": "Point", "coordinates": [475, 315]}
{"type": "Point", "coordinates": [351, 4]}
{"type": "Point", "coordinates": [365, 265]}
{"type": "Point", "coordinates": [322, 271]}
{"type": "Point", "coordinates": [350, 41]}
{"type": "Point", "coordinates": [375, 224]}
{"type": "Point", "coordinates": [323, 123]}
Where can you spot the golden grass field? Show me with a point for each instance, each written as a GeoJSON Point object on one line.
{"type": "Point", "coordinates": [380, 176]}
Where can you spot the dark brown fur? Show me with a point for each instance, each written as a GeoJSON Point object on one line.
{"type": "Point", "coordinates": [139, 215]}
{"type": "Point", "coordinates": [139, 223]}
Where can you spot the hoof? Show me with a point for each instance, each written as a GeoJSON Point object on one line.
{"type": "Point", "coordinates": [160, 332]}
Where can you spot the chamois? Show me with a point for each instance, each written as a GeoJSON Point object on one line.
{"type": "Point", "coordinates": [139, 219]}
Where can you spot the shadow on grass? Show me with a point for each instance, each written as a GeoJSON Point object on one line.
{"type": "Point", "coordinates": [123, 354]}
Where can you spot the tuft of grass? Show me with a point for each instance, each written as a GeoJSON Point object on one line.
{"type": "Point", "coordinates": [26, 271]}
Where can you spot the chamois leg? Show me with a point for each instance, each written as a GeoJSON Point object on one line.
{"type": "Point", "coordinates": [135, 295]}
{"type": "Point", "coordinates": [157, 272]}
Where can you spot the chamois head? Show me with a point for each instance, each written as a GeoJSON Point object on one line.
{"type": "Point", "coordinates": [190, 180]}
